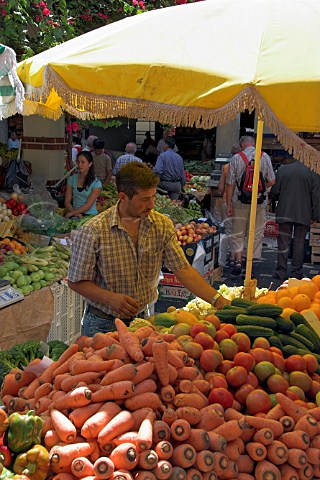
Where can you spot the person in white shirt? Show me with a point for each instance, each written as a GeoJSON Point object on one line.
{"type": "Point", "coordinates": [13, 140]}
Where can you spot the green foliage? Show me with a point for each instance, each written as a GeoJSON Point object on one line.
{"type": "Point", "coordinates": [30, 27]}
{"type": "Point", "coordinates": [56, 349]}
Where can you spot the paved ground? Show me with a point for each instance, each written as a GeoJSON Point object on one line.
{"type": "Point", "coordinates": [264, 268]}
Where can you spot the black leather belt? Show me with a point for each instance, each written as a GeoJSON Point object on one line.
{"type": "Point", "coordinates": [108, 316]}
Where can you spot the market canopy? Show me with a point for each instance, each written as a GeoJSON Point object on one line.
{"type": "Point", "coordinates": [193, 65]}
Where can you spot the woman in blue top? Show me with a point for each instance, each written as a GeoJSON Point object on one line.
{"type": "Point", "coordinates": [83, 188]}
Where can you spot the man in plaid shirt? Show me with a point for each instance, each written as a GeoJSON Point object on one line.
{"type": "Point", "coordinates": [117, 256]}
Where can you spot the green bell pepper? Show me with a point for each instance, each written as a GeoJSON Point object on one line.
{"type": "Point", "coordinates": [24, 431]}
{"type": "Point", "coordinates": [6, 474]}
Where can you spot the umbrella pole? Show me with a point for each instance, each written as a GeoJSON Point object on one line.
{"type": "Point", "coordinates": [250, 284]}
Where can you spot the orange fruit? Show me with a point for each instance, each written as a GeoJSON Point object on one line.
{"type": "Point", "coordinates": [263, 299]}
{"type": "Point", "coordinates": [287, 312]}
{"type": "Point", "coordinates": [317, 296]}
{"type": "Point", "coordinates": [301, 302]}
{"type": "Point", "coordinates": [285, 302]}
{"type": "Point", "coordinates": [293, 291]}
{"type": "Point", "coordinates": [282, 292]}
{"type": "Point", "coordinates": [309, 289]}
{"type": "Point", "coordinates": [316, 280]}
{"type": "Point", "coordinates": [316, 308]}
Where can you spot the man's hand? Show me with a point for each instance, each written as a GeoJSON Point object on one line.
{"type": "Point", "coordinates": [220, 302]}
{"type": "Point", "coordinates": [230, 211]}
{"type": "Point", "coordinates": [124, 305]}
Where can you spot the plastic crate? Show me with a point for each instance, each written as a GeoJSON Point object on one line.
{"type": "Point", "coordinates": [67, 314]}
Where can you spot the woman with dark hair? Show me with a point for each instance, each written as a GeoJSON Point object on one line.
{"type": "Point", "coordinates": [83, 188]}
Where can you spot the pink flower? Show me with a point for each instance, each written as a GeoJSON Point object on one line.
{"type": "Point", "coordinates": [3, 12]}
{"type": "Point", "coordinates": [36, 5]}
{"type": "Point", "coordinates": [71, 22]}
{"type": "Point", "coordinates": [134, 2]}
{"type": "Point", "coordinates": [42, 5]}
{"type": "Point", "coordinates": [50, 22]}
{"type": "Point", "coordinates": [46, 12]}
{"type": "Point", "coordinates": [75, 126]}
{"type": "Point", "coordinates": [120, 9]}
{"type": "Point", "coordinates": [141, 3]}
{"type": "Point", "coordinates": [38, 18]}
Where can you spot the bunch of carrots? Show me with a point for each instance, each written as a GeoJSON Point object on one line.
{"type": "Point", "coordinates": [133, 406]}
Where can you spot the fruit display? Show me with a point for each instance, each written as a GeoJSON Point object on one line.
{"type": "Point", "coordinates": [108, 197]}
{"type": "Point", "coordinates": [176, 396]}
{"type": "Point", "coordinates": [16, 207]}
{"type": "Point", "coordinates": [193, 231]}
{"type": "Point", "coordinates": [174, 210]}
{"type": "Point", "coordinates": [198, 183]}
{"type": "Point", "coordinates": [10, 245]}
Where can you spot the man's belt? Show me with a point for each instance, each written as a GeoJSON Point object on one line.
{"type": "Point", "coordinates": [107, 316]}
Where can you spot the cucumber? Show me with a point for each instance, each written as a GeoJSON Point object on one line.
{"type": "Point", "coordinates": [308, 332]}
{"type": "Point", "coordinates": [241, 302]}
{"type": "Point", "coordinates": [298, 319]}
{"type": "Point", "coordinates": [284, 325]}
{"type": "Point", "coordinates": [287, 340]}
{"type": "Point", "coordinates": [302, 339]}
{"type": "Point", "coordinates": [256, 321]}
{"type": "Point", "coordinates": [289, 350]}
{"type": "Point", "coordinates": [264, 310]}
{"type": "Point", "coordinates": [275, 342]}
{"type": "Point", "coordinates": [254, 332]}
{"type": "Point", "coordinates": [229, 315]}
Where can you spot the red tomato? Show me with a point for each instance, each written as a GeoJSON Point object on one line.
{"type": "Point", "coordinates": [279, 362]}
{"type": "Point", "coordinates": [277, 383]}
{"type": "Point", "coordinates": [222, 396]}
{"type": "Point", "coordinates": [218, 382]}
{"type": "Point", "coordinates": [236, 376]}
{"type": "Point", "coordinates": [258, 401]}
{"type": "Point", "coordinates": [214, 320]}
{"type": "Point", "coordinates": [311, 363]}
{"type": "Point", "coordinates": [261, 342]}
{"type": "Point", "coordinates": [242, 392]}
{"type": "Point", "coordinates": [245, 360]}
{"type": "Point", "coordinates": [210, 359]}
{"type": "Point", "coordinates": [252, 379]}
{"type": "Point", "coordinates": [243, 341]}
{"type": "Point", "coordinates": [261, 355]}
{"type": "Point", "coordinates": [225, 366]}
{"type": "Point", "coordinates": [276, 350]}
{"type": "Point", "coordinates": [292, 395]}
{"type": "Point", "coordinates": [221, 335]}
{"type": "Point", "coordinates": [228, 348]}
{"type": "Point", "coordinates": [315, 388]}
{"type": "Point", "coordinates": [230, 329]}
{"type": "Point", "coordinates": [295, 363]}
{"type": "Point", "coordinates": [210, 375]}
{"type": "Point", "coordinates": [301, 380]}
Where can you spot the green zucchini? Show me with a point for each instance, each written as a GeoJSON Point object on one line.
{"type": "Point", "coordinates": [241, 302]}
{"type": "Point", "coordinates": [302, 339]}
{"type": "Point", "coordinates": [256, 320]}
{"type": "Point", "coordinates": [308, 332]}
{"type": "Point", "coordinates": [284, 325]}
{"type": "Point", "coordinates": [275, 342]}
{"type": "Point", "coordinates": [254, 332]}
{"type": "Point", "coordinates": [287, 340]}
{"type": "Point", "coordinates": [229, 315]}
{"type": "Point", "coordinates": [264, 310]}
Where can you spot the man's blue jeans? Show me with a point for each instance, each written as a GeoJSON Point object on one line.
{"type": "Point", "coordinates": [93, 323]}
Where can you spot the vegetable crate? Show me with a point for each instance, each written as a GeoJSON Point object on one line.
{"type": "Point", "coordinates": [67, 315]}
{"type": "Point", "coordinates": [314, 242]}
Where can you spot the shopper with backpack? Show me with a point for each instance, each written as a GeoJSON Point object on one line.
{"type": "Point", "coordinates": [239, 190]}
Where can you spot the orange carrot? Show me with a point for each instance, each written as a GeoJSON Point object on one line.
{"type": "Point", "coordinates": [288, 423]}
{"type": "Point", "coordinates": [173, 374]}
{"type": "Point", "coordinates": [211, 420]}
{"type": "Point", "coordinates": [107, 448]}
{"type": "Point", "coordinates": [183, 456]}
{"type": "Point", "coordinates": [121, 423]}
{"type": "Point", "coordinates": [147, 385]}
{"type": "Point", "coordinates": [100, 340]}
{"type": "Point", "coordinates": [308, 424]}
{"type": "Point", "coordinates": [204, 461]}
{"type": "Point", "coordinates": [306, 472]}
{"type": "Point", "coordinates": [315, 412]}
{"type": "Point", "coordinates": [256, 450]}
{"type": "Point", "coordinates": [30, 390]}
{"type": "Point", "coordinates": [296, 439]}
{"type": "Point", "coordinates": [232, 414]}
{"type": "Point", "coordinates": [71, 382]}
{"type": "Point", "coordinates": [84, 366]}
{"type": "Point", "coordinates": [169, 416]}
{"type": "Point", "coordinates": [129, 341]}
{"type": "Point", "coordinates": [51, 438]}
{"type": "Point", "coordinates": [143, 372]}
{"type": "Point", "coordinates": [316, 471]}
{"type": "Point", "coordinates": [276, 412]}
{"type": "Point", "coordinates": [63, 476]}
{"type": "Point", "coordinates": [199, 439]}
{"type": "Point", "coordinates": [121, 474]}
{"type": "Point", "coordinates": [161, 431]}
{"type": "Point", "coordinates": [210, 476]}
{"type": "Point", "coordinates": [297, 458]}
{"type": "Point", "coordinates": [265, 470]}
{"type": "Point", "coordinates": [188, 373]}
{"type": "Point", "coordinates": [59, 379]}
{"type": "Point", "coordinates": [93, 426]}
{"type": "Point", "coordinates": [144, 440]}
{"type": "Point", "coordinates": [288, 472]}
{"type": "Point", "coordinates": [160, 354]}
{"type": "Point", "coordinates": [125, 456]}
{"type": "Point", "coordinates": [43, 390]}
{"type": "Point", "coordinates": [315, 442]}
{"type": "Point", "coordinates": [194, 474]}
{"type": "Point", "coordinates": [113, 352]}
{"type": "Point", "coordinates": [229, 430]}
{"type": "Point", "coordinates": [189, 400]}
{"type": "Point", "coordinates": [245, 464]}
{"type": "Point", "coordinates": [221, 463]}
{"type": "Point", "coordinates": [148, 459]}
{"type": "Point", "coordinates": [66, 366]}
{"type": "Point", "coordinates": [144, 475]}
{"type": "Point", "coordinates": [259, 422]}
{"type": "Point", "coordinates": [203, 386]}
{"type": "Point", "coordinates": [65, 429]}
{"type": "Point", "coordinates": [190, 414]}
{"type": "Point", "coordinates": [143, 332]}
{"type": "Point", "coordinates": [313, 455]}
{"type": "Point", "coordinates": [63, 455]}
{"type": "Point", "coordinates": [125, 372]}
{"type": "Point", "coordinates": [147, 399]}
{"type": "Point", "coordinates": [103, 467]}
{"type": "Point", "coordinates": [231, 471]}
{"type": "Point", "coordinates": [164, 450]}
{"type": "Point", "coordinates": [233, 450]}
{"type": "Point", "coordinates": [174, 359]}
{"type": "Point", "coordinates": [163, 470]}
{"type": "Point", "coordinates": [290, 407]}
{"type": "Point", "coordinates": [265, 436]}
{"type": "Point", "coordinates": [81, 467]}
{"type": "Point", "coordinates": [167, 394]}
{"type": "Point", "coordinates": [244, 476]}
{"type": "Point", "coordinates": [46, 423]}
{"type": "Point", "coordinates": [217, 442]}
{"type": "Point", "coordinates": [6, 399]}
{"type": "Point", "coordinates": [80, 415]}
{"type": "Point", "coordinates": [127, 437]}
{"type": "Point", "coordinates": [180, 430]}
{"type": "Point", "coordinates": [42, 405]}
{"type": "Point", "coordinates": [115, 391]}
{"type": "Point", "coordinates": [138, 416]}
{"type": "Point", "coordinates": [79, 397]}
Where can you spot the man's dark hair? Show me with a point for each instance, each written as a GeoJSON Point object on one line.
{"type": "Point", "coordinates": [98, 144]}
{"type": "Point", "coordinates": [170, 142]}
{"type": "Point", "coordinates": [135, 176]}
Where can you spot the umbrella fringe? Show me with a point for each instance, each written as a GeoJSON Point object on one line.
{"type": "Point", "coordinates": [87, 106]}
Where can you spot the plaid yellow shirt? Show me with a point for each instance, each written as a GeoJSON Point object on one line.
{"type": "Point", "coordinates": [103, 252]}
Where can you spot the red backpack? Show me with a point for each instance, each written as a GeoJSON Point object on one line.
{"type": "Point", "coordinates": [245, 186]}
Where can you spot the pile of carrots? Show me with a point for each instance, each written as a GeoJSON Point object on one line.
{"type": "Point", "coordinates": [133, 406]}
